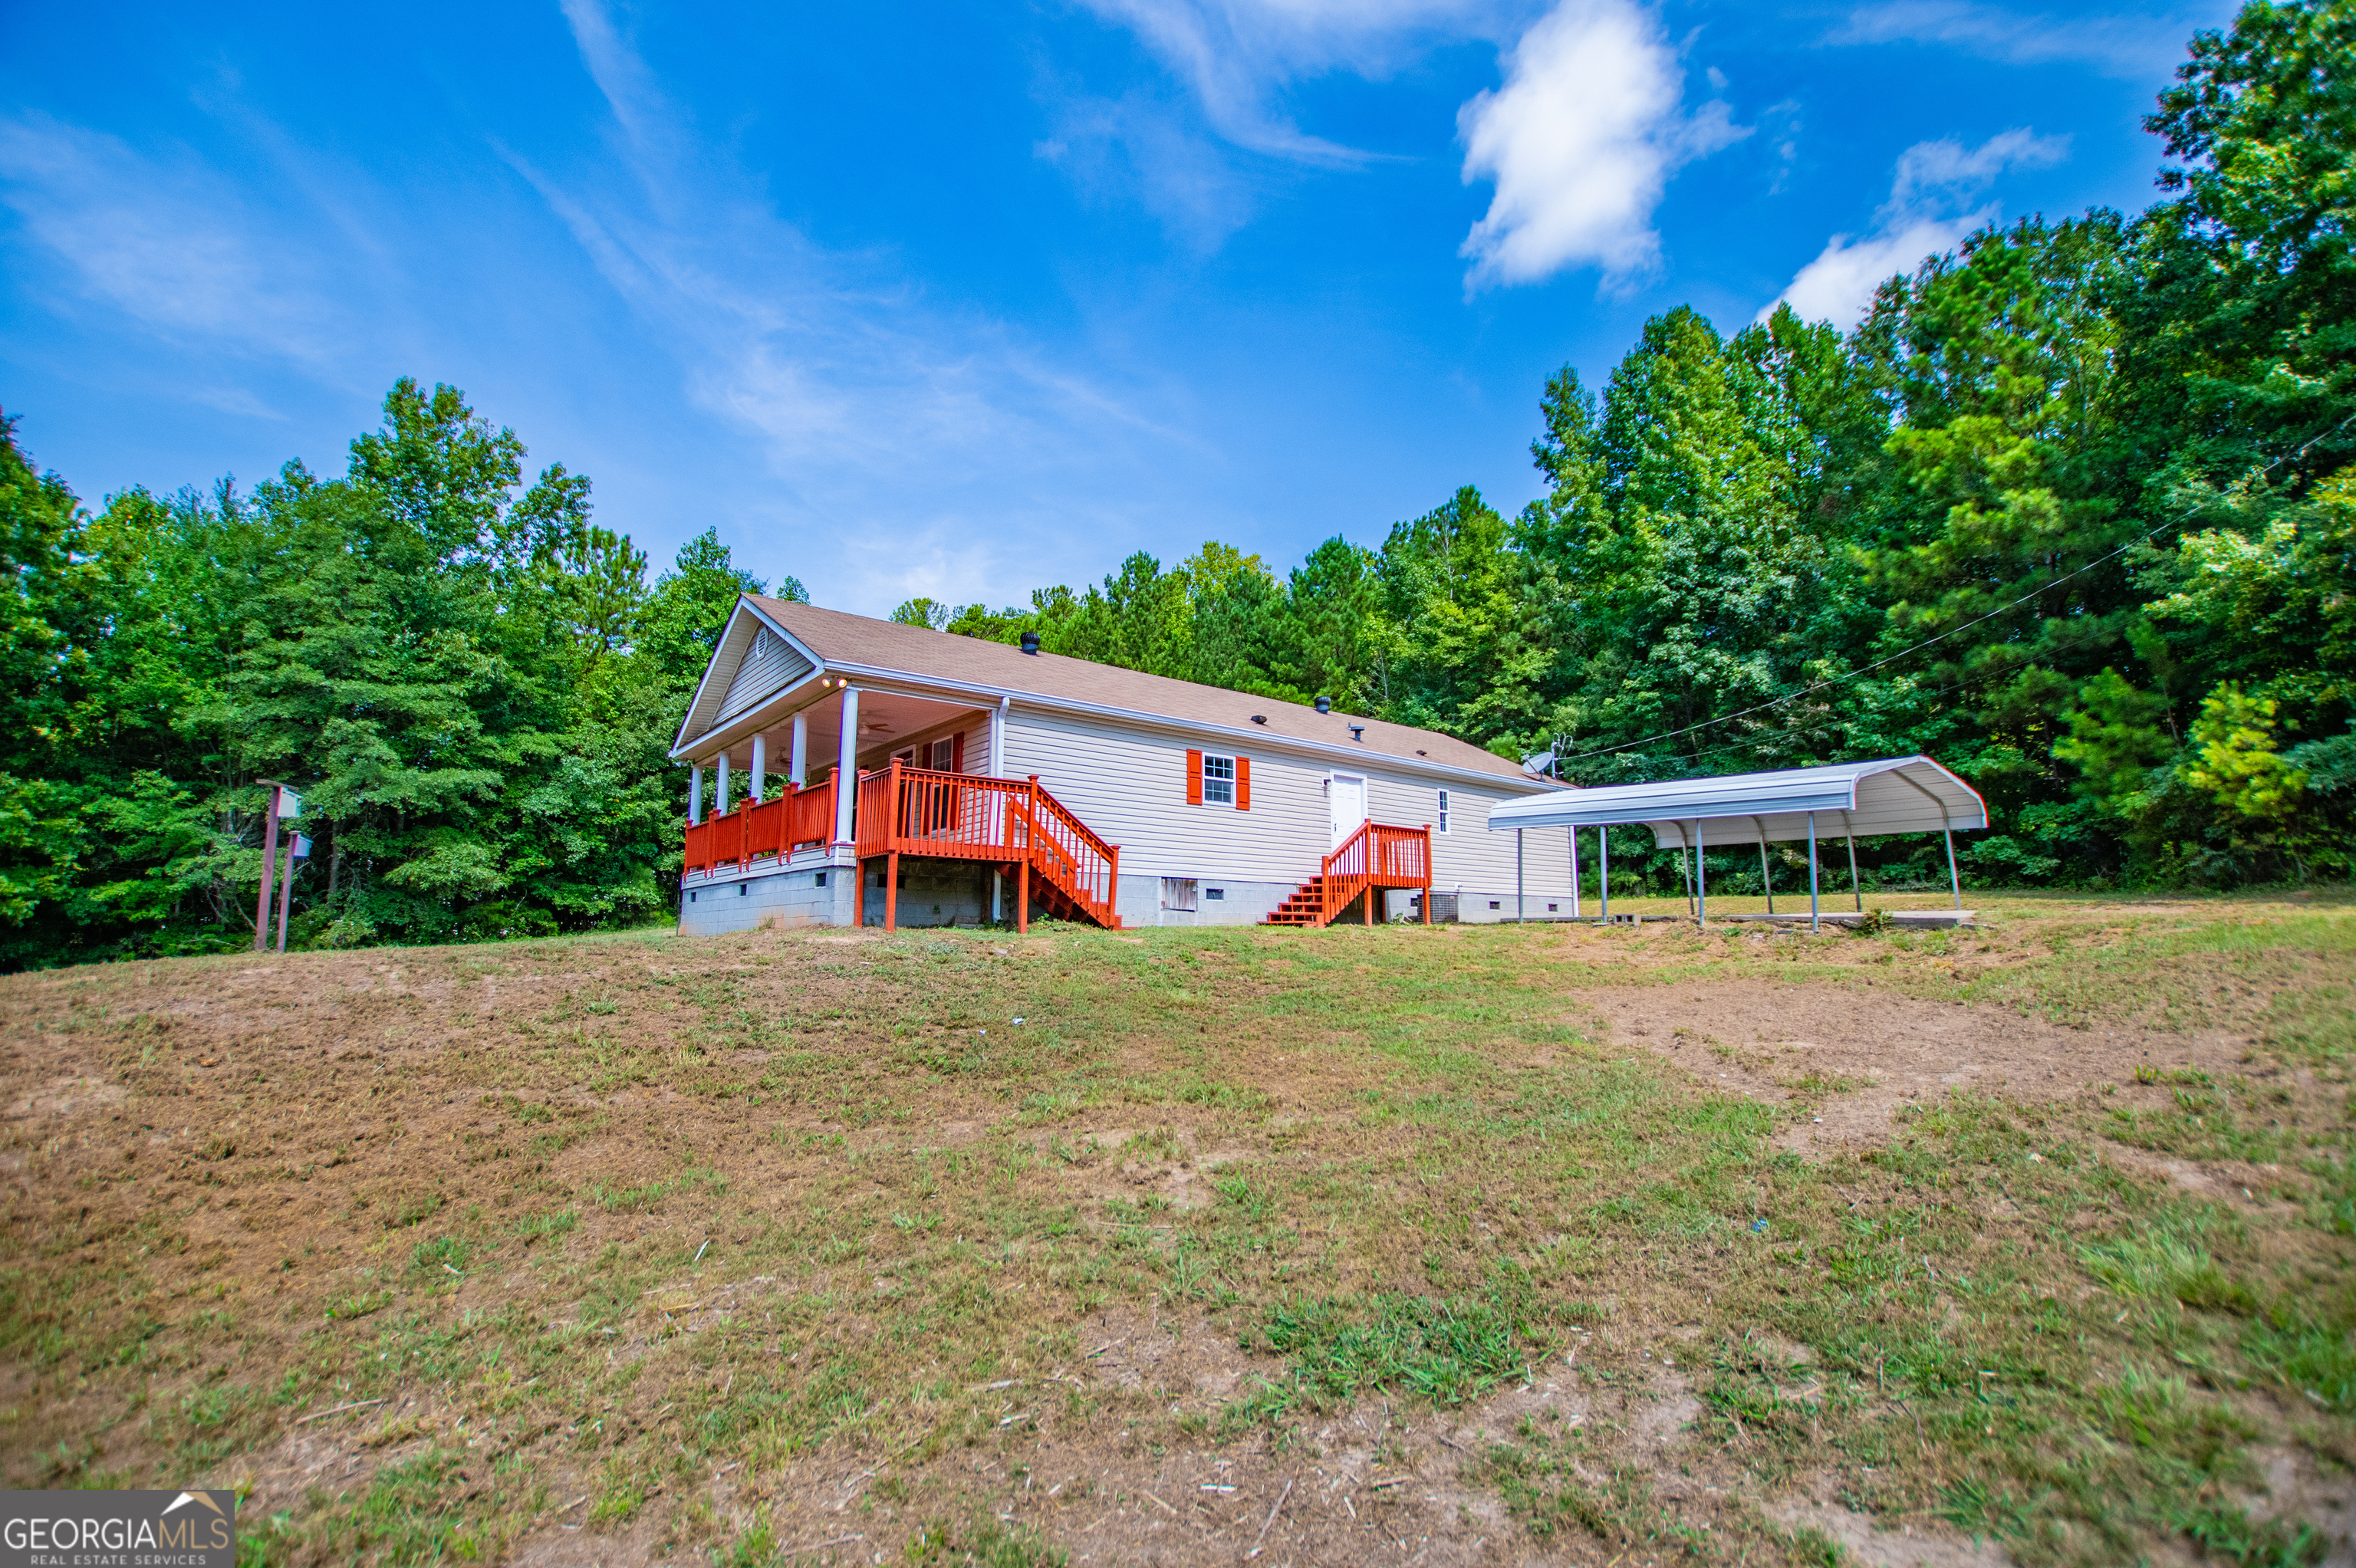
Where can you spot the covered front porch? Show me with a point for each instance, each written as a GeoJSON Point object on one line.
{"type": "Point", "coordinates": [980, 846]}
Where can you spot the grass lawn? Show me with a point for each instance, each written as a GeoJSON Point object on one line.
{"type": "Point", "coordinates": [1389, 1245]}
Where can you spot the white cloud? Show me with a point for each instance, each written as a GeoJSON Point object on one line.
{"type": "Point", "coordinates": [165, 242]}
{"type": "Point", "coordinates": [2143, 44]}
{"type": "Point", "coordinates": [1581, 141]}
{"type": "Point", "coordinates": [1238, 55]}
{"type": "Point", "coordinates": [1933, 181]}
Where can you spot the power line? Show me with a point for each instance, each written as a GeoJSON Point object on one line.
{"type": "Point", "coordinates": [2300, 451]}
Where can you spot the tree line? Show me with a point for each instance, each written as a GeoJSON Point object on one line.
{"type": "Point", "coordinates": [2070, 510]}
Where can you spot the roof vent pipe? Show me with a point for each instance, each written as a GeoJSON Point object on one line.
{"type": "Point", "coordinates": [1030, 642]}
{"type": "Point", "coordinates": [1358, 732]}
{"type": "Point", "coordinates": [1324, 704]}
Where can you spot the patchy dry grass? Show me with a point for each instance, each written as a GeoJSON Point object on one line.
{"type": "Point", "coordinates": [1340, 1245]}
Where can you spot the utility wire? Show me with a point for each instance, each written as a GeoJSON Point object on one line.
{"type": "Point", "coordinates": [2300, 451]}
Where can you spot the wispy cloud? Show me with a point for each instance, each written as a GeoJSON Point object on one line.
{"type": "Point", "coordinates": [2139, 44]}
{"type": "Point", "coordinates": [167, 243]}
{"type": "Point", "coordinates": [881, 414]}
{"type": "Point", "coordinates": [1581, 141]}
{"type": "Point", "coordinates": [1924, 216]}
{"type": "Point", "coordinates": [1237, 55]}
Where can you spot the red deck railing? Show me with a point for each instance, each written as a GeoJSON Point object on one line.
{"type": "Point", "coordinates": [966, 817]}
{"type": "Point", "coordinates": [777, 827]}
{"type": "Point", "coordinates": [1376, 855]}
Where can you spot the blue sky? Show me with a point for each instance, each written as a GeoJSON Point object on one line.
{"type": "Point", "coordinates": [962, 300]}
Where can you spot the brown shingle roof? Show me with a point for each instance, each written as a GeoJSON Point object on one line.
{"type": "Point", "coordinates": [845, 639]}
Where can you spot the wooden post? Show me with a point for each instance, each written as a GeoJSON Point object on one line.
{"type": "Point", "coordinates": [269, 865]}
{"type": "Point", "coordinates": [1112, 889]}
{"type": "Point", "coordinates": [286, 892]}
{"type": "Point", "coordinates": [1427, 873]}
{"type": "Point", "coordinates": [892, 814]}
{"type": "Point", "coordinates": [1023, 867]}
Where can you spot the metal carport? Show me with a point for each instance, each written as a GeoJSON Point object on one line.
{"type": "Point", "coordinates": [1895, 794]}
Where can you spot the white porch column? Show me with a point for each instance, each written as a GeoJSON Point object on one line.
{"type": "Point", "coordinates": [846, 767]}
{"type": "Point", "coordinates": [798, 765]}
{"type": "Point", "coordinates": [720, 787]}
{"type": "Point", "coordinates": [694, 792]}
{"type": "Point", "coordinates": [760, 766]}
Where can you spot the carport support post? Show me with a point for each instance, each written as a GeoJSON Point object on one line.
{"type": "Point", "coordinates": [1603, 869]}
{"type": "Point", "coordinates": [1520, 916]}
{"type": "Point", "coordinates": [1701, 879]}
{"type": "Point", "coordinates": [286, 892]}
{"type": "Point", "coordinates": [1765, 880]}
{"type": "Point", "coordinates": [1954, 879]}
{"type": "Point", "coordinates": [1855, 891]}
{"type": "Point", "coordinates": [1574, 872]}
{"type": "Point", "coordinates": [1812, 925]}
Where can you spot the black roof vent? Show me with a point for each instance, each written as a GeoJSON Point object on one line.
{"type": "Point", "coordinates": [1357, 731]}
{"type": "Point", "coordinates": [1324, 704]}
{"type": "Point", "coordinates": [1031, 642]}
{"type": "Point", "coordinates": [1259, 717]}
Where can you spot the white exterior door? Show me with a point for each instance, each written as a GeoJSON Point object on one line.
{"type": "Point", "coordinates": [1345, 797]}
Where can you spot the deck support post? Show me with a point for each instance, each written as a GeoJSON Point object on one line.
{"type": "Point", "coordinates": [1603, 869]}
{"type": "Point", "coordinates": [893, 813]}
{"type": "Point", "coordinates": [1023, 867]}
{"type": "Point", "coordinates": [1701, 879]}
{"type": "Point", "coordinates": [1427, 873]}
{"type": "Point", "coordinates": [997, 899]}
{"type": "Point", "coordinates": [1764, 879]}
{"type": "Point", "coordinates": [1813, 924]}
{"type": "Point", "coordinates": [797, 760]}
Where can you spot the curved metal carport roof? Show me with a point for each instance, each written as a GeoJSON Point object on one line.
{"type": "Point", "coordinates": [1892, 795]}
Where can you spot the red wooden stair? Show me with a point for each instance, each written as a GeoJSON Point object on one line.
{"type": "Point", "coordinates": [1376, 855]}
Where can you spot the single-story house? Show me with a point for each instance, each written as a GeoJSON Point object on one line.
{"type": "Point", "coordinates": [995, 782]}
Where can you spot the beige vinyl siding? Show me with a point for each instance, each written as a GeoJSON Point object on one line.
{"type": "Point", "coordinates": [1129, 784]}
{"type": "Point", "coordinates": [770, 666]}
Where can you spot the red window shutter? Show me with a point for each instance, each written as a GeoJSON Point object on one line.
{"type": "Point", "coordinates": [1243, 784]}
{"type": "Point", "coordinates": [1193, 778]}
{"type": "Point", "coordinates": [957, 752]}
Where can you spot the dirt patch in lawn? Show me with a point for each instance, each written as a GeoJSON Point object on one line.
{"type": "Point", "coordinates": [1855, 1059]}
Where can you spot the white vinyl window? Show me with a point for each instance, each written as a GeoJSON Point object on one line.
{"type": "Point", "coordinates": [1219, 780]}
{"type": "Point", "coordinates": [1443, 811]}
{"type": "Point", "coordinates": [944, 751]}
{"type": "Point", "coordinates": [1181, 893]}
